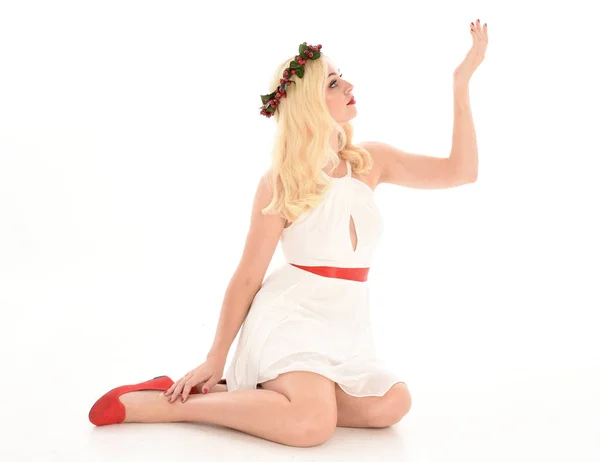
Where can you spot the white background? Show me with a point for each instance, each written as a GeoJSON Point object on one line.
{"type": "Point", "coordinates": [130, 149]}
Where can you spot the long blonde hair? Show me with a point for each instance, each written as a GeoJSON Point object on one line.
{"type": "Point", "coordinates": [301, 147]}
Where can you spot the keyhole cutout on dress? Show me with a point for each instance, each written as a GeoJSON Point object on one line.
{"type": "Point", "coordinates": [353, 236]}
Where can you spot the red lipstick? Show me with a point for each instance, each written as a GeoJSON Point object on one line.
{"type": "Point", "coordinates": [351, 102]}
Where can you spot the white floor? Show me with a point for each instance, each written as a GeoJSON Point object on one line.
{"type": "Point", "coordinates": [62, 349]}
{"type": "Point", "coordinates": [126, 187]}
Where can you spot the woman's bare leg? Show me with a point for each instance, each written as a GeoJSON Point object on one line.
{"type": "Point", "coordinates": [364, 412]}
{"type": "Point", "coordinates": [291, 416]}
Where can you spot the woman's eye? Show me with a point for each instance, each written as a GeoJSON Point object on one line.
{"type": "Point", "coordinates": [334, 82]}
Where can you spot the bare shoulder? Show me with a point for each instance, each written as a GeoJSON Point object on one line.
{"type": "Point", "coordinates": [263, 196]}
{"type": "Point", "coordinates": [263, 235]}
{"type": "Point", "coordinates": [372, 178]}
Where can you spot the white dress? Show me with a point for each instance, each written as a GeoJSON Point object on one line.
{"type": "Point", "coordinates": [301, 321]}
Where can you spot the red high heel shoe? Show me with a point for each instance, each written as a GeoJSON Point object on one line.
{"type": "Point", "coordinates": [109, 410]}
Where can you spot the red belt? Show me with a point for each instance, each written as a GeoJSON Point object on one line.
{"type": "Point", "coordinates": [355, 274]}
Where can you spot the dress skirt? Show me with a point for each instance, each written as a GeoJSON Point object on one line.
{"type": "Point", "coordinates": [301, 321]}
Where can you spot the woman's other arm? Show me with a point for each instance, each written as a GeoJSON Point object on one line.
{"type": "Point", "coordinates": [261, 242]}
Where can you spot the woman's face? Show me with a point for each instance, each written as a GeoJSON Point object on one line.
{"type": "Point", "coordinates": [338, 93]}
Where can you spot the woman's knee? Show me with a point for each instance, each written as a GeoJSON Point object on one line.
{"type": "Point", "coordinates": [316, 422]}
{"type": "Point", "coordinates": [314, 406]}
{"type": "Point", "coordinates": [393, 406]}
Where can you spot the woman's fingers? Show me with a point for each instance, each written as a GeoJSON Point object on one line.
{"type": "Point", "coordinates": [185, 384]}
{"type": "Point", "coordinates": [211, 382]}
{"type": "Point", "coordinates": [178, 390]}
{"type": "Point", "coordinates": [186, 391]}
{"type": "Point", "coordinates": [174, 390]}
{"type": "Point", "coordinates": [170, 390]}
{"type": "Point", "coordinates": [189, 385]}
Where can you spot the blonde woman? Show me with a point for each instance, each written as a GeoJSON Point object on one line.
{"type": "Point", "coordinates": [305, 362]}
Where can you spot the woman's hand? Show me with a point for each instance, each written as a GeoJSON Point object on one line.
{"type": "Point", "coordinates": [206, 374]}
{"type": "Point", "coordinates": [474, 57]}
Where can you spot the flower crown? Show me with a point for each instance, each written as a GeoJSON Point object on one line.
{"type": "Point", "coordinates": [272, 100]}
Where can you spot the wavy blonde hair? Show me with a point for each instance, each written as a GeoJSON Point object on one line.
{"type": "Point", "coordinates": [301, 147]}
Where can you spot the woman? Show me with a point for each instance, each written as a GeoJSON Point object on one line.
{"type": "Point", "coordinates": [305, 361]}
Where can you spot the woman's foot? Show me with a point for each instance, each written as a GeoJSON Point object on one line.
{"type": "Point", "coordinates": [110, 408]}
